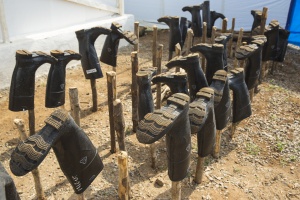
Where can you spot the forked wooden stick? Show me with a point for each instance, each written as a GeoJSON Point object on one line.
{"type": "Point", "coordinates": [111, 82]}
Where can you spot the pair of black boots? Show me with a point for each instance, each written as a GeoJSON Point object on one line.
{"type": "Point", "coordinates": [77, 156]}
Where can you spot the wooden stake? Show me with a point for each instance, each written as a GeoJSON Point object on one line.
{"type": "Point", "coordinates": [134, 96]}
{"type": "Point", "coordinates": [224, 25]}
{"type": "Point", "coordinates": [230, 52]}
{"type": "Point", "coordinates": [251, 92]}
{"type": "Point", "coordinates": [74, 103]}
{"type": "Point", "coordinates": [158, 85]}
{"type": "Point", "coordinates": [35, 173]}
{"type": "Point", "coordinates": [199, 170]}
{"type": "Point", "coordinates": [189, 43]}
{"type": "Point", "coordinates": [213, 34]}
{"type": "Point", "coordinates": [136, 32]}
{"type": "Point", "coordinates": [176, 190]}
{"type": "Point", "coordinates": [111, 81]}
{"type": "Point", "coordinates": [238, 44]}
{"type": "Point", "coordinates": [154, 47]}
{"type": "Point", "coordinates": [264, 17]}
{"type": "Point", "coordinates": [178, 53]}
{"type": "Point", "coordinates": [216, 152]}
{"type": "Point", "coordinates": [233, 128]}
{"type": "Point", "coordinates": [94, 94]}
{"type": "Point", "coordinates": [123, 190]}
{"type": "Point", "coordinates": [204, 36]}
{"type": "Point", "coordinates": [119, 122]}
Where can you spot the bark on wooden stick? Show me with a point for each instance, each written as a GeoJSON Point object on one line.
{"type": "Point", "coordinates": [176, 190]}
{"type": "Point", "coordinates": [233, 128]}
{"type": "Point", "coordinates": [264, 17]}
{"type": "Point", "coordinates": [178, 53]}
{"type": "Point", "coordinates": [158, 86]}
{"type": "Point", "coordinates": [251, 92]}
{"type": "Point", "coordinates": [189, 43]}
{"type": "Point", "coordinates": [111, 76]}
{"type": "Point", "coordinates": [224, 25]}
{"type": "Point", "coordinates": [199, 170]}
{"type": "Point", "coordinates": [204, 37]}
{"type": "Point", "coordinates": [94, 95]}
{"type": "Point", "coordinates": [154, 47]}
{"type": "Point", "coordinates": [136, 32]}
{"type": "Point", "coordinates": [216, 152]}
{"type": "Point", "coordinates": [119, 122]}
{"type": "Point", "coordinates": [35, 173]}
{"type": "Point", "coordinates": [238, 44]}
{"type": "Point", "coordinates": [213, 34]}
{"type": "Point", "coordinates": [74, 103]}
{"type": "Point", "coordinates": [123, 190]}
{"type": "Point", "coordinates": [134, 95]}
{"type": "Point", "coordinates": [230, 52]}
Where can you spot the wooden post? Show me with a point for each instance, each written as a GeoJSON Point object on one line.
{"type": "Point", "coordinates": [238, 44]}
{"type": "Point", "coordinates": [176, 190]}
{"type": "Point", "coordinates": [119, 122]}
{"type": "Point", "coordinates": [264, 17]}
{"type": "Point", "coordinates": [136, 32]}
{"type": "Point", "coordinates": [178, 53]}
{"type": "Point", "coordinates": [35, 173]}
{"type": "Point", "coordinates": [233, 128]}
{"type": "Point", "coordinates": [251, 92]}
{"type": "Point", "coordinates": [216, 152]}
{"type": "Point", "coordinates": [189, 43]}
{"type": "Point", "coordinates": [74, 103]}
{"type": "Point", "coordinates": [3, 24]}
{"type": "Point", "coordinates": [230, 52]}
{"type": "Point", "coordinates": [204, 35]}
{"type": "Point", "coordinates": [154, 47]}
{"type": "Point", "coordinates": [111, 81]}
{"type": "Point", "coordinates": [123, 190]}
{"type": "Point", "coordinates": [199, 169]}
{"type": "Point", "coordinates": [94, 95]}
{"type": "Point", "coordinates": [224, 25]}
{"type": "Point", "coordinates": [134, 96]}
{"type": "Point", "coordinates": [213, 34]}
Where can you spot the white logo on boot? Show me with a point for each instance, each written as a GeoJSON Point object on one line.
{"type": "Point", "coordinates": [83, 160]}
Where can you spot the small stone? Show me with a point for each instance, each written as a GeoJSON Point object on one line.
{"type": "Point", "coordinates": [159, 182]}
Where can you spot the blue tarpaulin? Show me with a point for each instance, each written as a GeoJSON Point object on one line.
{"type": "Point", "coordinates": [293, 22]}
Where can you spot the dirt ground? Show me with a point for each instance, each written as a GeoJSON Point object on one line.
{"type": "Point", "coordinates": [262, 161]}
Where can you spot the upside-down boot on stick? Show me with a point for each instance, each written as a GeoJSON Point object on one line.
{"type": "Point", "coordinates": [191, 65]}
{"type": "Point", "coordinates": [196, 19]}
{"type": "Point", "coordinates": [241, 99]}
{"type": "Point", "coordinates": [257, 15]}
{"type": "Point", "coordinates": [213, 17]}
{"type": "Point", "coordinates": [206, 13]}
{"type": "Point", "coordinates": [21, 95]}
{"type": "Point", "coordinates": [184, 25]}
{"type": "Point", "coordinates": [176, 81]}
{"type": "Point", "coordinates": [111, 45]}
{"type": "Point", "coordinates": [223, 39]}
{"type": "Point", "coordinates": [56, 82]}
{"type": "Point", "coordinates": [7, 186]}
{"type": "Point", "coordinates": [172, 119]}
{"type": "Point", "coordinates": [89, 61]}
{"type": "Point", "coordinates": [282, 44]}
{"type": "Point", "coordinates": [213, 54]}
{"type": "Point", "coordinates": [270, 48]}
{"type": "Point", "coordinates": [222, 102]}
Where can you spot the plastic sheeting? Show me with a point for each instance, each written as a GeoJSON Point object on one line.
{"type": "Point", "coordinates": [293, 24]}
{"type": "Point", "coordinates": [150, 11]}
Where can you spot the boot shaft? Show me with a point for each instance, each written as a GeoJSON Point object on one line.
{"type": "Point", "coordinates": [223, 39]}
{"type": "Point", "coordinates": [7, 186]}
{"type": "Point", "coordinates": [270, 48]}
{"type": "Point", "coordinates": [213, 17]}
{"type": "Point", "coordinates": [196, 19]}
{"type": "Point", "coordinates": [257, 15]}
{"type": "Point", "coordinates": [282, 44]}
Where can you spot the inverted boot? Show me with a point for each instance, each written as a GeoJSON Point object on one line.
{"type": "Point", "coordinates": [152, 70]}
{"type": "Point", "coordinates": [222, 102]}
{"type": "Point", "coordinates": [175, 32]}
{"type": "Point", "coordinates": [270, 49]}
{"type": "Point", "coordinates": [145, 104]}
{"type": "Point", "coordinates": [56, 82]}
{"type": "Point", "coordinates": [241, 108]}
{"type": "Point", "coordinates": [176, 81]}
{"type": "Point", "coordinates": [213, 54]}
{"type": "Point", "coordinates": [257, 15]}
{"type": "Point", "coordinates": [202, 119]}
{"type": "Point", "coordinates": [191, 65]}
{"type": "Point", "coordinates": [223, 39]}
{"type": "Point", "coordinates": [111, 45]}
{"type": "Point", "coordinates": [205, 6]}
{"type": "Point", "coordinates": [89, 61]}
{"type": "Point", "coordinates": [7, 186]}
{"type": "Point", "coordinates": [196, 19]}
{"type": "Point", "coordinates": [213, 17]}
{"type": "Point", "coordinates": [282, 44]}
{"type": "Point", "coordinates": [184, 25]}
{"type": "Point", "coordinates": [21, 95]}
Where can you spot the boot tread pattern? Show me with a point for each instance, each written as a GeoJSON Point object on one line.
{"type": "Point", "coordinates": [19, 158]}
{"type": "Point", "coordinates": [39, 141]}
{"type": "Point", "coordinates": [29, 150]}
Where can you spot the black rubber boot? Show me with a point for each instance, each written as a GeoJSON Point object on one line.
{"type": "Point", "coordinates": [77, 156]}
{"type": "Point", "coordinates": [89, 61]}
{"type": "Point", "coordinates": [257, 14]}
{"type": "Point", "coordinates": [241, 99]}
{"type": "Point", "coordinates": [213, 18]}
{"type": "Point", "coordinates": [7, 186]}
{"type": "Point", "coordinates": [145, 104]}
{"type": "Point", "coordinates": [222, 102]}
{"type": "Point", "coordinates": [223, 39]}
{"type": "Point", "coordinates": [270, 48]}
{"type": "Point", "coordinates": [152, 70]}
{"type": "Point", "coordinates": [282, 44]}
{"type": "Point", "coordinates": [21, 95]}
{"type": "Point", "coordinates": [176, 81]}
{"type": "Point", "coordinates": [202, 119]}
{"type": "Point", "coordinates": [111, 45]}
{"type": "Point", "coordinates": [56, 82]}
{"type": "Point", "coordinates": [206, 13]}
{"type": "Point", "coordinates": [191, 65]}
{"type": "Point", "coordinates": [175, 32]}
{"type": "Point", "coordinates": [172, 119]}
{"type": "Point", "coordinates": [184, 25]}
{"type": "Point", "coordinates": [196, 19]}
{"type": "Point", "coordinates": [213, 54]}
